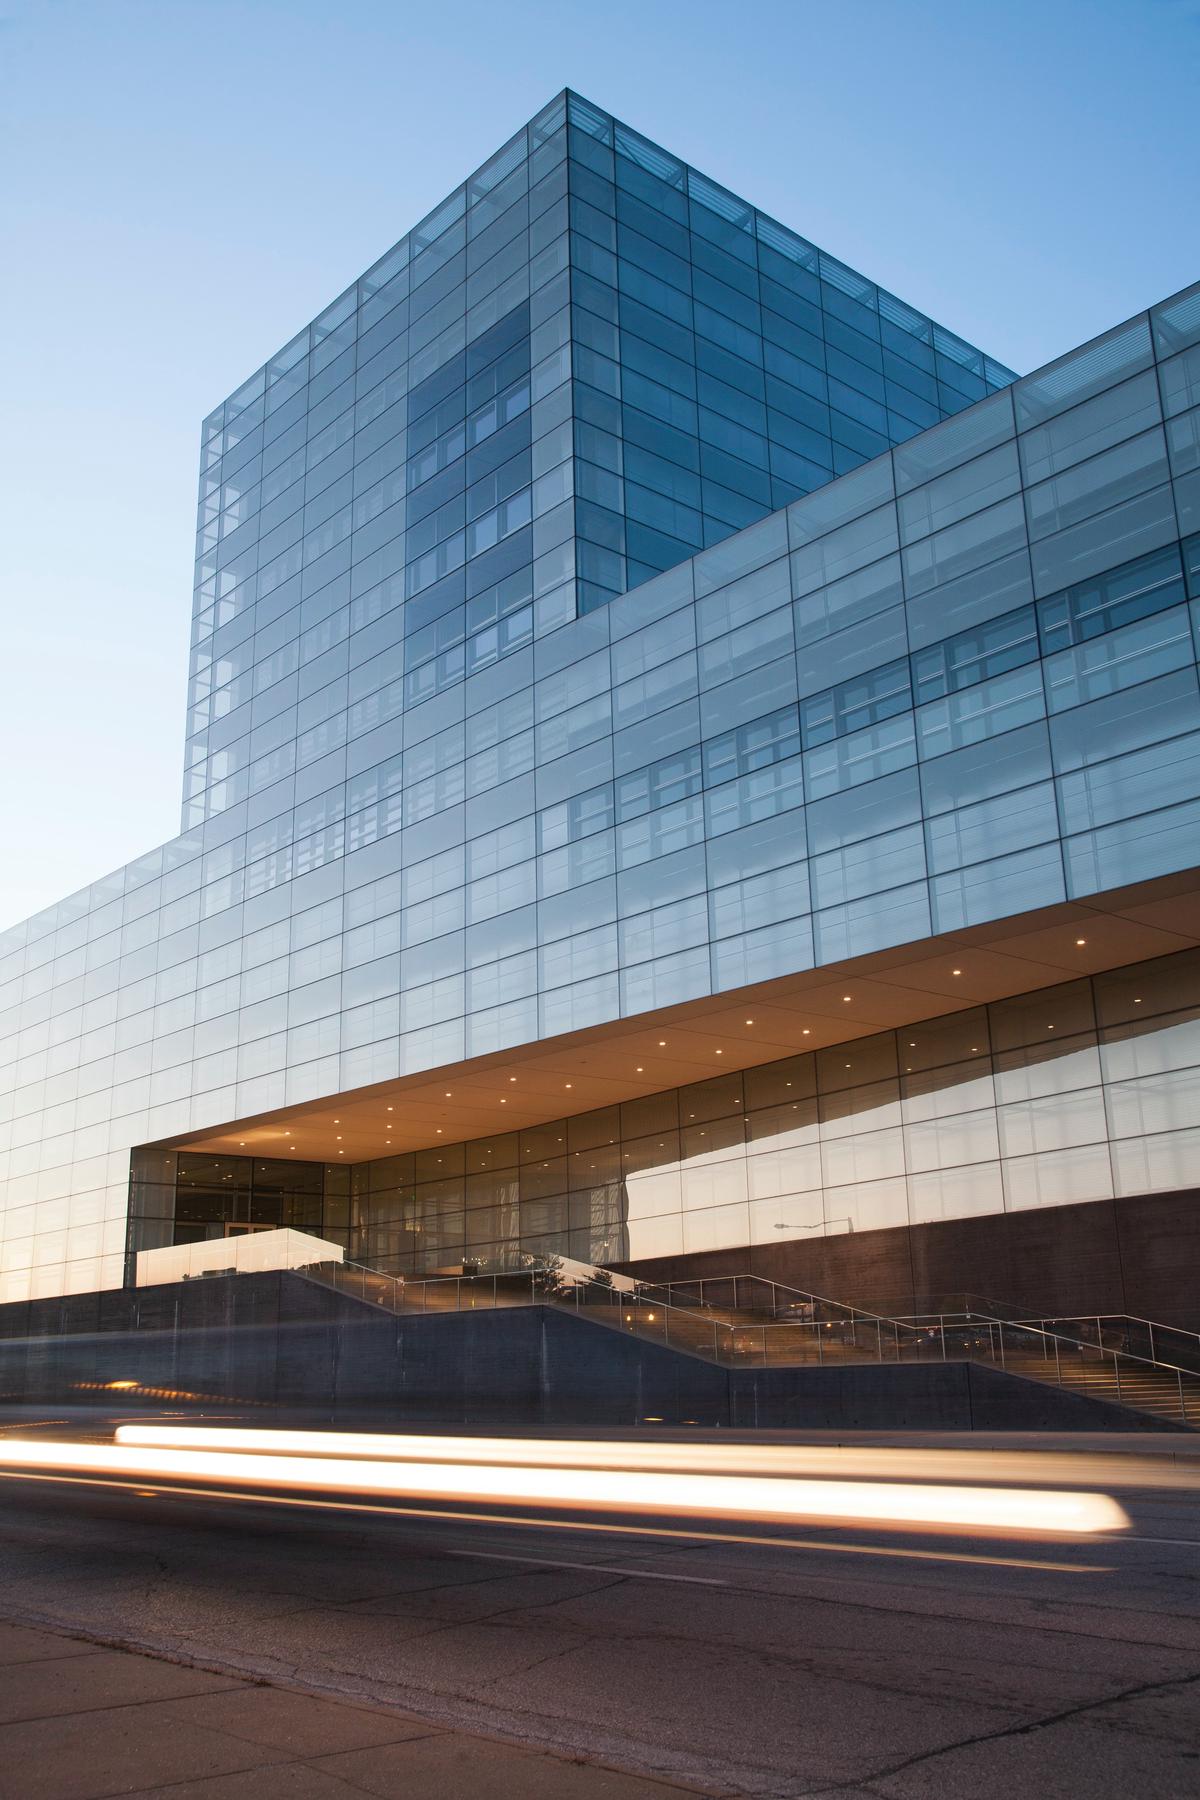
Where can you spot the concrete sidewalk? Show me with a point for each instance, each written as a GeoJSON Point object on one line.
{"type": "Point", "coordinates": [79, 1721]}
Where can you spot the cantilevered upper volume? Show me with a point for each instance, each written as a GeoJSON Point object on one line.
{"type": "Point", "coordinates": [587, 364]}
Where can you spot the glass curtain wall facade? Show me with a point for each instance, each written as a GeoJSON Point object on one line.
{"type": "Point", "coordinates": [587, 364]}
{"type": "Point", "coordinates": [953, 684]}
{"type": "Point", "coordinates": [1075, 1093]}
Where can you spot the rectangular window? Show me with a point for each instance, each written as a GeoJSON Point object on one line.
{"type": "Point", "coordinates": [972, 656]}
{"type": "Point", "coordinates": [867, 700]}
{"type": "Point", "coordinates": [1120, 659]}
{"type": "Point", "coordinates": [756, 745]}
{"type": "Point", "coordinates": [1134, 591]}
{"type": "Point", "coordinates": [645, 790]}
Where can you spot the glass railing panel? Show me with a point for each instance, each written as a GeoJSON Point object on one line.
{"type": "Point", "coordinates": [647, 1321]}
{"type": "Point", "coordinates": [1167, 1344]}
{"type": "Point", "coordinates": [1029, 1353]}
{"type": "Point", "coordinates": [793, 1345]}
{"type": "Point", "coordinates": [440, 1296]}
{"type": "Point", "coordinates": [589, 1297]}
{"type": "Point", "coordinates": [745, 1345]}
{"type": "Point", "coordinates": [972, 1339]}
{"type": "Point", "coordinates": [478, 1294]}
{"type": "Point", "coordinates": [904, 1344]}
{"type": "Point", "coordinates": [514, 1289]}
{"type": "Point", "coordinates": [678, 1293]}
{"type": "Point", "coordinates": [1132, 1336]}
{"type": "Point", "coordinates": [698, 1335]}
{"type": "Point", "coordinates": [721, 1292]}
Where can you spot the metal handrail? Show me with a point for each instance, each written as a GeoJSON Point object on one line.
{"type": "Point", "coordinates": [1042, 1324]}
{"type": "Point", "coordinates": [776, 1287]}
{"type": "Point", "coordinates": [1100, 1318]}
{"type": "Point", "coordinates": [1129, 1318]}
{"type": "Point", "coordinates": [634, 1307]}
{"type": "Point", "coordinates": [1183, 1353]}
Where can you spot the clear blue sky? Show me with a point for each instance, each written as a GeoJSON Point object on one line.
{"type": "Point", "coordinates": [189, 181]}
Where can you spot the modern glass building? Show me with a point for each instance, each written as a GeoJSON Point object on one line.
{"type": "Point", "coordinates": [686, 759]}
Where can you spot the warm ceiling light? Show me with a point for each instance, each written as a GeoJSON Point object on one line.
{"type": "Point", "coordinates": [845, 996]}
{"type": "Point", "coordinates": [503, 1101]}
{"type": "Point", "coordinates": [749, 1021]}
{"type": "Point", "coordinates": [639, 1070]}
{"type": "Point", "coordinates": [241, 1143]}
{"type": "Point", "coordinates": [1137, 1003]}
{"type": "Point", "coordinates": [439, 1131]}
{"type": "Point", "coordinates": [719, 1053]}
{"type": "Point", "coordinates": [339, 1135]}
{"type": "Point", "coordinates": [956, 971]}
{"type": "Point", "coordinates": [662, 1043]}
{"type": "Point", "coordinates": [1081, 940]}
{"type": "Point", "coordinates": [391, 1109]}
{"type": "Point", "coordinates": [512, 1078]}
{"type": "Point", "coordinates": [570, 1084]}
{"type": "Point", "coordinates": [806, 1032]}
{"type": "Point", "coordinates": [447, 1093]}
{"type": "Point", "coordinates": [337, 1121]}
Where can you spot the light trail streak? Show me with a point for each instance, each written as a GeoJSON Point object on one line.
{"type": "Point", "coordinates": [611, 1488]}
{"type": "Point", "coordinates": [1024, 1468]}
{"type": "Point", "coordinates": [592, 1527]}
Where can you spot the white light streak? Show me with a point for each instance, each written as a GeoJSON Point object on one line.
{"type": "Point", "coordinates": [917, 1462]}
{"type": "Point", "coordinates": [613, 1488]}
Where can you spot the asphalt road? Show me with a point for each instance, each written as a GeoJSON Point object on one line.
{"type": "Point", "coordinates": [851, 1663]}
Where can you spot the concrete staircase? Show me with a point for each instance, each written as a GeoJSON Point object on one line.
{"type": "Point", "coordinates": [746, 1322]}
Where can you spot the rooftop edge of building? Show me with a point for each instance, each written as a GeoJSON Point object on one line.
{"type": "Point", "coordinates": [569, 106]}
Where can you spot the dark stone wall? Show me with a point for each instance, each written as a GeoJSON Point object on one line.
{"type": "Point", "coordinates": [1139, 1256]}
{"type": "Point", "coordinates": [276, 1340]}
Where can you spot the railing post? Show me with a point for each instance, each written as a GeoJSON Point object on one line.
{"type": "Point", "coordinates": [1057, 1364]}
{"type": "Point", "coordinates": [942, 1335]}
{"type": "Point", "coordinates": [1117, 1373]}
{"type": "Point", "coordinates": [1182, 1401]}
{"type": "Point", "coordinates": [820, 1352]}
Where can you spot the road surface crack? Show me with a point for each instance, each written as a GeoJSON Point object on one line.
{"type": "Point", "coordinates": [991, 1737]}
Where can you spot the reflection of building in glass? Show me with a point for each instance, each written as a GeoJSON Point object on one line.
{"type": "Point", "coordinates": [685, 757]}
{"type": "Point", "coordinates": [1066, 1094]}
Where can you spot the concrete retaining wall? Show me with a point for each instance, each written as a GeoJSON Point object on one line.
{"type": "Point", "coordinates": [278, 1340]}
